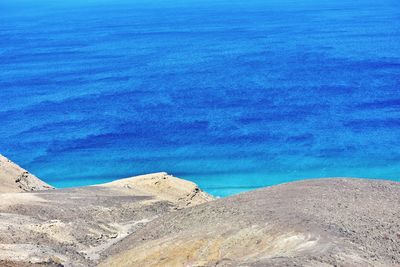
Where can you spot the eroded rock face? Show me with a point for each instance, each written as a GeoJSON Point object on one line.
{"type": "Point", "coordinates": [15, 179]}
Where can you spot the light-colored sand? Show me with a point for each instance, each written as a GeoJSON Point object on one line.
{"type": "Point", "coordinates": [163, 187]}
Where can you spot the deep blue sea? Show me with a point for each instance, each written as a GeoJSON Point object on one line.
{"type": "Point", "coordinates": [232, 95]}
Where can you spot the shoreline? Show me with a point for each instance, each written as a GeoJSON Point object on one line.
{"type": "Point", "coordinates": [248, 188]}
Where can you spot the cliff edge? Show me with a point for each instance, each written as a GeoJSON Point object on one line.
{"type": "Point", "coordinates": [13, 178]}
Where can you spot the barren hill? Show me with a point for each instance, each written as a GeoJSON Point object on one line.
{"type": "Point", "coordinates": [161, 220]}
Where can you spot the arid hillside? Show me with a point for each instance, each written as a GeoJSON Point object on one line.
{"type": "Point", "coordinates": [160, 220]}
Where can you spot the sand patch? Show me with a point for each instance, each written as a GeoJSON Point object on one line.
{"type": "Point", "coordinates": [9, 199]}
{"type": "Point", "coordinates": [213, 248]}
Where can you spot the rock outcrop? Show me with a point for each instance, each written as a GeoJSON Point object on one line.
{"type": "Point", "coordinates": [164, 187]}
{"type": "Point", "coordinates": [15, 179]}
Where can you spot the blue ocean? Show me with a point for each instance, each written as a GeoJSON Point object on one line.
{"type": "Point", "coordinates": [233, 95]}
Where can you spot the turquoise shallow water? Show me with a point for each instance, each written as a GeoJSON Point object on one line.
{"type": "Point", "coordinates": [232, 95]}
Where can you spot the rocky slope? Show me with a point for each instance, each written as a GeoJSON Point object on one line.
{"type": "Point", "coordinates": [324, 222]}
{"type": "Point", "coordinates": [73, 227]}
{"type": "Point", "coordinates": [160, 220]}
{"type": "Point", "coordinates": [15, 179]}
